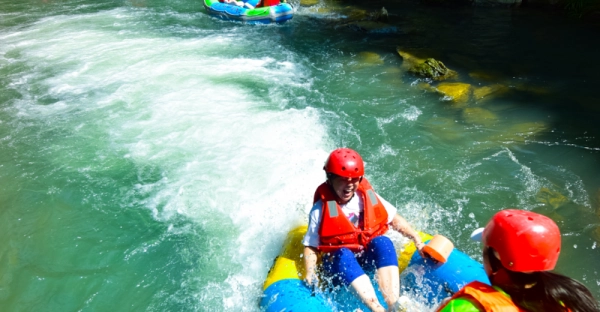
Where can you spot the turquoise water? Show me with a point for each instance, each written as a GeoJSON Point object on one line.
{"type": "Point", "coordinates": [153, 158]}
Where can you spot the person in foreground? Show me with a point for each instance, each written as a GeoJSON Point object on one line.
{"type": "Point", "coordinates": [346, 227]}
{"type": "Point", "coordinates": [519, 250]}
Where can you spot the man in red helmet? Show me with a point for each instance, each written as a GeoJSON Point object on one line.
{"type": "Point", "coordinates": [519, 250]}
{"type": "Point", "coordinates": [346, 225]}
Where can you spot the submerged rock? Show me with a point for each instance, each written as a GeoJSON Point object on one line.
{"type": "Point", "coordinates": [426, 87]}
{"type": "Point", "coordinates": [308, 3]}
{"type": "Point", "coordinates": [479, 116]}
{"type": "Point", "coordinates": [426, 68]}
{"type": "Point", "coordinates": [595, 233]}
{"type": "Point", "coordinates": [444, 128]}
{"type": "Point", "coordinates": [434, 69]}
{"type": "Point", "coordinates": [370, 58]}
{"type": "Point", "coordinates": [488, 92]}
{"type": "Point", "coordinates": [457, 91]}
{"type": "Point", "coordinates": [533, 89]}
{"type": "Point", "coordinates": [381, 16]}
{"type": "Point", "coordinates": [552, 198]}
{"type": "Point", "coordinates": [355, 14]}
{"type": "Point", "coordinates": [598, 203]}
{"type": "Point", "coordinates": [409, 59]}
{"type": "Point", "coordinates": [519, 133]}
{"type": "Point", "coordinates": [318, 10]}
{"type": "Point", "coordinates": [558, 218]}
{"type": "Point", "coordinates": [373, 22]}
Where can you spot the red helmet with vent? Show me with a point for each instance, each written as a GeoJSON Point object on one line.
{"type": "Point", "coordinates": [346, 163]}
{"type": "Point", "coordinates": [525, 241]}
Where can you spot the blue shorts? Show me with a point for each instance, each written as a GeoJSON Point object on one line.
{"type": "Point", "coordinates": [345, 266]}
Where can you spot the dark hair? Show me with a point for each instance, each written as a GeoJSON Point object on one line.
{"type": "Point", "coordinates": [545, 291]}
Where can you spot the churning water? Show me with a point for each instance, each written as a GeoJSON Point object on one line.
{"type": "Point", "coordinates": [153, 158]}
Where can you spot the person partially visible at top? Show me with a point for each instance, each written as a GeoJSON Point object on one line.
{"type": "Point", "coordinates": [246, 4]}
{"type": "Point", "coordinates": [519, 250]}
{"type": "Point", "coordinates": [346, 227]}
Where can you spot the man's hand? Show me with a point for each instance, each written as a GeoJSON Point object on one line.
{"type": "Point", "coordinates": [419, 244]}
{"type": "Point", "coordinates": [312, 281]}
{"type": "Point", "coordinates": [310, 265]}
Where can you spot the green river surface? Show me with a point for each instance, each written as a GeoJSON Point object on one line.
{"type": "Point", "coordinates": [153, 158]}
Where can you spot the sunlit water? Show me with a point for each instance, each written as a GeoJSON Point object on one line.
{"type": "Point", "coordinates": [153, 158]}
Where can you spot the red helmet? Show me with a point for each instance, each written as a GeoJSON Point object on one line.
{"type": "Point", "coordinates": [525, 241]}
{"type": "Point", "coordinates": [345, 163]}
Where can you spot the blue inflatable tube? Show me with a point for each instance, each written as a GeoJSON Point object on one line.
{"type": "Point", "coordinates": [435, 281]}
{"type": "Point", "coordinates": [428, 281]}
{"type": "Point", "coordinates": [262, 15]}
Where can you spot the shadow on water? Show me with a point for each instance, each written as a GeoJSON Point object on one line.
{"type": "Point", "coordinates": [547, 61]}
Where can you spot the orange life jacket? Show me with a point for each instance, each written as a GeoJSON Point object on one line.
{"type": "Point", "coordinates": [490, 299]}
{"type": "Point", "coordinates": [336, 231]}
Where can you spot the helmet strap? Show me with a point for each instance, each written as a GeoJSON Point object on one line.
{"type": "Point", "coordinates": [501, 278]}
{"type": "Point", "coordinates": [500, 275]}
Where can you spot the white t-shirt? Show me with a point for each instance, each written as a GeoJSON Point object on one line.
{"type": "Point", "coordinates": [351, 209]}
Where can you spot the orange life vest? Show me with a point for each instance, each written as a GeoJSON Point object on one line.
{"type": "Point", "coordinates": [490, 299]}
{"type": "Point", "coordinates": [336, 231]}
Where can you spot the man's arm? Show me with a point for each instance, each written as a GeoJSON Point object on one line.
{"type": "Point", "coordinates": [310, 265]}
{"type": "Point", "coordinates": [401, 225]}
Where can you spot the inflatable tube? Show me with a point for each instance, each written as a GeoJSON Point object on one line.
{"type": "Point", "coordinates": [284, 289]}
{"type": "Point", "coordinates": [263, 15]}
{"type": "Point", "coordinates": [435, 281]}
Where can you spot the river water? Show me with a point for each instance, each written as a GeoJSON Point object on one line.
{"type": "Point", "coordinates": [153, 158]}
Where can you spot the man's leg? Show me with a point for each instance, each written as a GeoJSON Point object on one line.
{"type": "Point", "coordinates": [343, 265]}
{"type": "Point", "coordinates": [363, 288]}
{"type": "Point", "coordinates": [388, 279]}
{"type": "Point", "coordinates": [380, 251]}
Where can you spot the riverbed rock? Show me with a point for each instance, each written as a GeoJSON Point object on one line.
{"type": "Point", "coordinates": [426, 87]}
{"type": "Point", "coordinates": [458, 92]}
{"type": "Point", "coordinates": [369, 58]}
{"type": "Point", "coordinates": [425, 67]}
{"type": "Point", "coordinates": [597, 210]}
{"type": "Point", "coordinates": [479, 116]}
{"type": "Point", "coordinates": [308, 3]}
{"type": "Point", "coordinates": [551, 198]}
{"type": "Point", "coordinates": [409, 60]}
{"type": "Point", "coordinates": [521, 132]}
{"type": "Point", "coordinates": [434, 69]}
{"type": "Point", "coordinates": [487, 92]}
{"type": "Point", "coordinates": [444, 128]}
{"type": "Point", "coordinates": [372, 22]}
{"type": "Point", "coordinates": [555, 216]}
{"type": "Point", "coordinates": [356, 14]}
{"type": "Point", "coordinates": [595, 233]}
{"type": "Point", "coordinates": [532, 89]}
{"type": "Point", "coordinates": [381, 16]}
